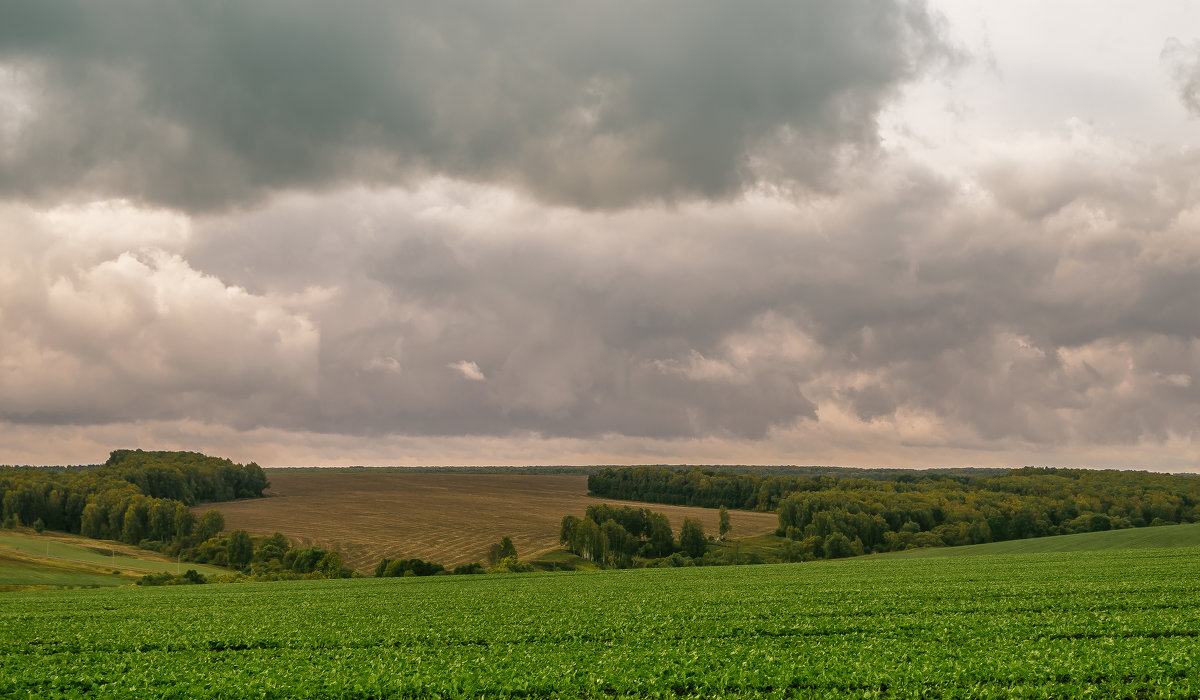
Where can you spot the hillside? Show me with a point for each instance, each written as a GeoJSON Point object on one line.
{"type": "Point", "coordinates": [58, 560]}
{"type": "Point", "coordinates": [1165, 536]}
{"type": "Point", "coordinates": [448, 518]}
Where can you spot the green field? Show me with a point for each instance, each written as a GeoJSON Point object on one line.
{"type": "Point", "coordinates": [1135, 538]}
{"type": "Point", "coordinates": [58, 559]}
{"type": "Point", "coordinates": [1120, 623]}
{"type": "Point", "coordinates": [18, 572]}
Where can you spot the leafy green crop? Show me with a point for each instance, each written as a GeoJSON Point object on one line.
{"type": "Point", "coordinates": [1100, 624]}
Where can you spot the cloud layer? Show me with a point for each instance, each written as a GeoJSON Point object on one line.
{"type": "Point", "coordinates": [592, 105]}
{"type": "Point", "coordinates": [558, 232]}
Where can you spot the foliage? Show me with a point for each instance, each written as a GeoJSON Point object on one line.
{"type": "Point", "coordinates": [164, 578]}
{"type": "Point", "coordinates": [1086, 624]}
{"type": "Point", "coordinates": [906, 510]}
{"type": "Point", "coordinates": [510, 565]}
{"type": "Point", "coordinates": [503, 549]}
{"type": "Point", "coordinates": [407, 567]}
{"type": "Point", "coordinates": [133, 496]}
{"type": "Point", "coordinates": [612, 536]}
{"type": "Point", "coordinates": [691, 538]}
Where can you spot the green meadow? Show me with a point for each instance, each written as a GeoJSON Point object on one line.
{"type": "Point", "coordinates": [1099, 623]}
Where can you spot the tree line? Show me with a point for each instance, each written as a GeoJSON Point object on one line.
{"type": "Point", "coordinates": [142, 498]}
{"type": "Point", "coordinates": [830, 517]}
{"type": "Point", "coordinates": [270, 558]}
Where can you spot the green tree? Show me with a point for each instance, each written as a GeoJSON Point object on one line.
{"type": "Point", "coordinates": [240, 549]}
{"type": "Point", "coordinates": [591, 541]}
{"type": "Point", "coordinates": [661, 540]}
{"type": "Point", "coordinates": [620, 543]}
{"type": "Point", "coordinates": [330, 566]}
{"type": "Point", "coordinates": [137, 517]}
{"type": "Point", "coordinates": [723, 525]}
{"type": "Point", "coordinates": [184, 521]}
{"type": "Point", "coordinates": [691, 538]}
{"type": "Point", "coordinates": [837, 546]}
{"type": "Point", "coordinates": [273, 547]}
{"type": "Point", "coordinates": [210, 525]}
{"type": "Point", "coordinates": [501, 550]}
{"type": "Point", "coordinates": [566, 532]}
{"type": "Point", "coordinates": [93, 521]}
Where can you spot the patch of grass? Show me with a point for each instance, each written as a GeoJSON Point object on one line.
{"type": "Point", "coordinates": [561, 560]}
{"type": "Point", "coordinates": [1136, 538]}
{"type": "Point", "coordinates": [18, 572]}
{"type": "Point", "coordinates": [65, 548]}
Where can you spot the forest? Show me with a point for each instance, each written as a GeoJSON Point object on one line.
{"type": "Point", "coordinates": [143, 498]}
{"type": "Point", "coordinates": [833, 516]}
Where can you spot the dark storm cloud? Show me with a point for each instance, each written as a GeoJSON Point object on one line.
{"type": "Point", "coordinates": [204, 105]}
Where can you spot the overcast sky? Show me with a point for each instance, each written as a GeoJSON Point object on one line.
{"type": "Point", "coordinates": [859, 233]}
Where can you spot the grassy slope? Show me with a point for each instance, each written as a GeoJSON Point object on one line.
{"type": "Point", "coordinates": [1136, 538]}
{"type": "Point", "coordinates": [61, 559]}
{"type": "Point", "coordinates": [1120, 623]}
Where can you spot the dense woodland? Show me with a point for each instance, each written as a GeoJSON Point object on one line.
{"type": "Point", "coordinates": [830, 516]}
{"type": "Point", "coordinates": [143, 498]}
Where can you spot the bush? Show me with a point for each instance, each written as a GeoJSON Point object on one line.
{"type": "Point", "coordinates": [510, 565]}
{"type": "Point", "coordinates": [472, 568]}
{"type": "Point", "coordinates": [407, 567]}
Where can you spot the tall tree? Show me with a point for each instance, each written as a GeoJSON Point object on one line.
{"type": "Point", "coordinates": [723, 524]}
{"type": "Point", "coordinates": [691, 538]}
{"type": "Point", "coordinates": [240, 549]}
{"type": "Point", "coordinates": [210, 525]}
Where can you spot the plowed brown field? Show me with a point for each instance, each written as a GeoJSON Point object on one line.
{"type": "Point", "coordinates": [447, 518]}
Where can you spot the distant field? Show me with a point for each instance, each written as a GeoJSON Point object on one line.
{"type": "Point", "coordinates": [447, 518]}
{"type": "Point", "coordinates": [1136, 538]}
{"type": "Point", "coordinates": [60, 559]}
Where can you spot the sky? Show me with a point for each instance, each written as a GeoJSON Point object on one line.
{"type": "Point", "coordinates": [863, 233]}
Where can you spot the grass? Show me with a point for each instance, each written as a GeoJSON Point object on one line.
{"type": "Point", "coordinates": [19, 572]}
{"type": "Point", "coordinates": [448, 518]}
{"type": "Point", "coordinates": [1115, 623]}
{"type": "Point", "coordinates": [1136, 538]}
{"type": "Point", "coordinates": [61, 559]}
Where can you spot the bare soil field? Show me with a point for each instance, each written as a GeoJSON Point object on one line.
{"type": "Point", "coordinates": [447, 518]}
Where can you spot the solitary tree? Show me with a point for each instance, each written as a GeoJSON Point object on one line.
{"type": "Point", "coordinates": [723, 525]}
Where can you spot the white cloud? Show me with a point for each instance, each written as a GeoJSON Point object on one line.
{"type": "Point", "coordinates": [468, 369]}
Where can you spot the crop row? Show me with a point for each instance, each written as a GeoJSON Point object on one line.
{"type": "Point", "coordinates": [1099, 623]}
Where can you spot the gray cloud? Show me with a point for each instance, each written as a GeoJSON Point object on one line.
{"type": "Point", "coordinates": [1183, 64]}
{"type": "Point", "coordinates": [455, 310]}
{"type": "Point", "coordinates": [594, 105]}
{"type": "Point", "coordinates": [904, 297]}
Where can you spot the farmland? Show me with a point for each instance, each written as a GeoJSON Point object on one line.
{"type": "Point", "coordinates": [1120, 623]}
{"type": "Point", "coordinates": [448, 518]}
